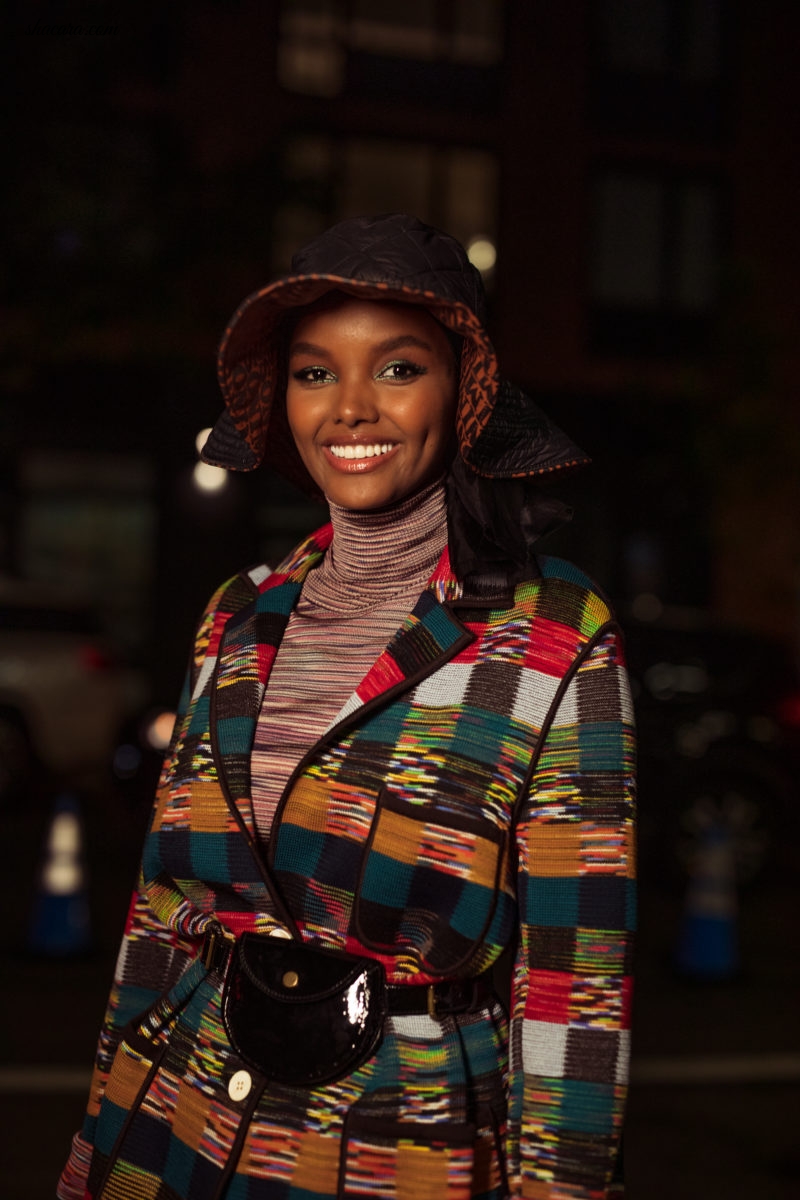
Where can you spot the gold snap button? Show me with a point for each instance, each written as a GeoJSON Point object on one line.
{"type": "Point", "coordinates": [291, 979]}
{"type": "Point", "coordinates": [239, 1085]}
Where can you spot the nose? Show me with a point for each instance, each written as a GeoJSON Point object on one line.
{"type": "Point", "coordinates": [355, 403]}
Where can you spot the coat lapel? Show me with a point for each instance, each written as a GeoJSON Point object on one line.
{"type": "Point", "coordinates": [247, 651]}
{"type": "Point", "coordinates": [429, 637]}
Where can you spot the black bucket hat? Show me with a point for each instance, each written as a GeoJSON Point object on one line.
{"type": "Point", "coordinates": [501, 432]}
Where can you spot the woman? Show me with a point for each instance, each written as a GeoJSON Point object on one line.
{"type": "Point", "coordinates": [402, 756]}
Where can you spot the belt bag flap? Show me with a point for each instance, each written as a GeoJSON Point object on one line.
{"type": "Point", "coordinates": [300, 1015]}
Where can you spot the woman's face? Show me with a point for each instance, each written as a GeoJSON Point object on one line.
{"type": "Point", "coordinates": [371, 400]}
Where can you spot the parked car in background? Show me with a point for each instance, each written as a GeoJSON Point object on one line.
{"type": "Point", "coordinates": [718, 715]}
{"type": "Point", "coordinates": [63, 692]}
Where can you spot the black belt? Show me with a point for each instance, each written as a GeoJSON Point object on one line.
{"type": "Point", "coordinates": [450, 997]}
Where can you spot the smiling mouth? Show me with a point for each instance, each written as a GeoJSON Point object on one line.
{"type": "Point", "coordinates": [362, 450]}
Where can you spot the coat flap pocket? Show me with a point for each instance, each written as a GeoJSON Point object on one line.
{"type": "Point", "coordinates": [429, 883]}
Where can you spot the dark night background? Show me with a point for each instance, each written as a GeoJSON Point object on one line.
{"type": "Point", "coordinates": [634, 165]}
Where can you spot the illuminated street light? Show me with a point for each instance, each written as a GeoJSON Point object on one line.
{"type": "Point", "coordinates": [205, 477]}
{"type": "Point", "coordinates": [208, 478]}
{"type": "Point", "coordinates": [482, 253]}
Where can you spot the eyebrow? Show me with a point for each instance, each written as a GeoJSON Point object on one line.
{"type": "Point", "coordinates": [386, 347]}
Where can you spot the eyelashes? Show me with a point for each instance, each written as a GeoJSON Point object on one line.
{"type": "Point", "coordinates": [313, 375]}
{"type": "Point", "coordinates": [399, 370]}
{"type": "Point", "coordinates": [402, 369]}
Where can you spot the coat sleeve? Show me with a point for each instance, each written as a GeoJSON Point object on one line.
{"type": "Point", "coordinates": [570, 1004]}
{"type": "Point", "coordinates": [151, 959]}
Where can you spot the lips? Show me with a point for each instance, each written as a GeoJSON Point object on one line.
{"type": "Point", "coordinates": [359, 458]}
{"type": "Point", "coordinates": [361, 450]}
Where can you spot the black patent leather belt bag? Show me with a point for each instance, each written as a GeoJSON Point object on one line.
{"type": "Point", "coordinates": [300, 1015]}
{"type": "Point", "coordinates": [306, 1016]}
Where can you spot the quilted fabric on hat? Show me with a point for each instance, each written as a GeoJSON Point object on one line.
{"type": "Point", "coordinates": [501, 433]}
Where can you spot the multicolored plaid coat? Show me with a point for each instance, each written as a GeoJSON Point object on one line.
{"type": "Point", "coordinates": [473, 796]}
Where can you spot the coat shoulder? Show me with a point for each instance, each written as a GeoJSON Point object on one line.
{"type": "Point", "coordinates": [236, 591]}
{"type": "Point", "coordinates": [241, 588]}
{"type": "Point", "coordinates": [568, 596]}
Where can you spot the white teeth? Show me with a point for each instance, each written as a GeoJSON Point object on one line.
{"type": "Point", "coordinates": [361, 451]}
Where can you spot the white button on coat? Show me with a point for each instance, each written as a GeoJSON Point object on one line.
{"type": "Point", "coordinates": [239, 1085]}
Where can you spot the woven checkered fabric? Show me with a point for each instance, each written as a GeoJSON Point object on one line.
{"type": "Point", "coordinates": [474, 793]}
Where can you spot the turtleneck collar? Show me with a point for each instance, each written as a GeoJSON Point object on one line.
{"type": "Point", "coordinates": [378, 556]}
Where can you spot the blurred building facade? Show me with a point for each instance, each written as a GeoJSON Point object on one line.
{"type": "Point", "coordinates": [624, 170]}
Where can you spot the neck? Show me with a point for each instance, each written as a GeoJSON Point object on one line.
{"type": "Point", "coordinates": [374, 555]}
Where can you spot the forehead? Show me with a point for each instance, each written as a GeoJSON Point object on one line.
{"type": "Point", "coordinates": [347, 317]}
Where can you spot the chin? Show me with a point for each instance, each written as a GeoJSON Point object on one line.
{"type": "Point", "coordinates": [362, 503]}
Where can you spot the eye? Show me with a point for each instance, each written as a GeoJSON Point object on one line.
{"type": "Point", "coordinates": [313, 375]}
{"type": "Point", "coordinates": [401, 370]}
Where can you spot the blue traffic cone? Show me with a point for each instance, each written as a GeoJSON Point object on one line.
{"type": "Point", "coordinates": [60, 926]}
{"type": "Point", "coordinates": [708, 942]}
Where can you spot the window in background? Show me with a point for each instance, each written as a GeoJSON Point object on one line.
{"type": "Point", "coordinates": [375, 170]}
{"type": "Point", "coordinates": [680, 37]}
{"type": "Point", "coordinates": [658, 68]}
{"type": "Point", "coordinates": [477, 31]}
{"type": "Point", "coordinates": [311, 50]}
{"type": "Point", "coordinates": [326, 179]}
{"type": "Point", "coordinates": [398, 28]}
{"type": "Point", "coordinates": [655, 262]}
{"type": "Point", "coordinates": [330, 47]}
{"type": "Point", "coordinates": [309, 173]}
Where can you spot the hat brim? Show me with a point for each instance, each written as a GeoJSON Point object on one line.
{"type": "Point", "coordinates": [501, 432]}
{"type": "Point", "coordinates": [519, 441]}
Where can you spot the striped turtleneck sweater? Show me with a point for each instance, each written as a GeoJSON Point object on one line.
{"type": "Point", "coordinates": [350, 607]}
